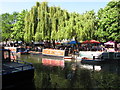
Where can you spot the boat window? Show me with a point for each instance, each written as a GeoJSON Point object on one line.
{"type": "Point", "coordinates": [117, 55]}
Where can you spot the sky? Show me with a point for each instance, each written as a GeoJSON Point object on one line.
{"type": "Point", "coordinates": [79, 6]}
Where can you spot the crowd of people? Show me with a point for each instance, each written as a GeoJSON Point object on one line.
{"type": "Point", "coordinates": [71, 48]}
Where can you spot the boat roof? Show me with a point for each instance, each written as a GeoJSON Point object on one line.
{"type": "Point", "coordinates": [16, 66]}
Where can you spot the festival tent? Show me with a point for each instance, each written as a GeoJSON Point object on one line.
{"type": "Point", "coordinates": [90, 41]}
{"type": "Point", "coordinates": [109, 43]}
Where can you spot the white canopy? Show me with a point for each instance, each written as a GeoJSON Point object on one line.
{"type": "Point", "coordinates": [109, 43]}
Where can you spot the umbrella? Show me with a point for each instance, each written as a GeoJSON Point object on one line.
{"type": "Point", "coordinates": [57, 43]}
{"type": "Point", "coordinates": [94, 41]}
{"type": "Point", "coordinates": [90, 41]}
{"type": "Point", "coordinates": [73, 42]}
{"type": "Point", "coordinates": [85, 42]}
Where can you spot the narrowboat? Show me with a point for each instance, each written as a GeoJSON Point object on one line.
{"type": "Point", "coordinates": [97, 56]}
{"type": "Point", "coordinates": [18, 50]}
{"type": "Point", "coordinates": [15, 73]}
{"type": "Point", "coordinates": [55, 52]}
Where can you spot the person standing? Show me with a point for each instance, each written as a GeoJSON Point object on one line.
{"type": "Point", "coordinates": [53, 43]}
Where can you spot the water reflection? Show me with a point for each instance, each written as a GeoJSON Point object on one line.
{"type": "Point", "coordinates": [109, 68]}
{"type": "Point", "coordinates": [52, 62]}
{"type": "Point", "coordinates": [91, 67]}
{"type": "Point", "coordinates": [51, 72]}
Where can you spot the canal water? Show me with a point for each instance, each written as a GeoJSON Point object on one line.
{"type": "Point", "coordinates": [54, 72]}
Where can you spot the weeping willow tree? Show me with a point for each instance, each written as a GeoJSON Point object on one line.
{"type": "Point", "coordinates": [43, 22]}
{"type": "Point", "coordinates": [31, 21]}
{"type": "Point", "coordinates": [89, 27]}
{"type": "Point", "coordinates": [30, 24]}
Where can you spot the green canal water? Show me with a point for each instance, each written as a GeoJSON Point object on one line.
{"type": "Point", "coordinates": [72, 74]}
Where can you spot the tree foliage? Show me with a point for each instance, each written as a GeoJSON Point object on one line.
{"type": "Point", "coordinates": [18, 27]}
{"type": "Point", "coordinates": [55, 23]}
{"type": "Point", "coordinates": [43, 22]}
{"type": "Point", "coordinates": [7, 21]}
{"type": "Point", "coordinates": [108, 20]}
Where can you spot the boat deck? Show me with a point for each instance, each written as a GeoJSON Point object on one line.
{"type": "Point", "coordinates": [11, 67]}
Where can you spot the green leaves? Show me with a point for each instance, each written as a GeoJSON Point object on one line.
{"type": "Point", "coordinates": [38, 36]}
{"type": "Point", "coordinates": [43, 22]}
{"type": "Point", "coordinates": [8, 21]}
{"type": "Point", "coordinates": [18, 27]}
{"type": "Point", "coordinates": [108, 21]}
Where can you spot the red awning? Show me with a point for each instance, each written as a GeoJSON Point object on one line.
{"type": "Point", "coordinates": [57, 43]}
